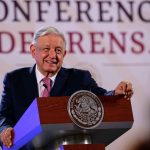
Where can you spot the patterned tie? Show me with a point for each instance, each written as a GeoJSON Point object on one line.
{"type": "Point", "coordinates": [47, 85]}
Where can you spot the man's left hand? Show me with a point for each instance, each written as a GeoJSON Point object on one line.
{"type": "Point", "coordinates": [124, 88]}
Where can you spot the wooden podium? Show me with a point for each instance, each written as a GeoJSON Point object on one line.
{"type": "Point", "coordinates": [47, 119]}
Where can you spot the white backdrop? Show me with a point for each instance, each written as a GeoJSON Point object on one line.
{"type": "Point", "coordinates": [109, 38]}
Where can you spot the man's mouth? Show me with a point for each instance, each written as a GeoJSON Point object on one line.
{"type": "Point", "coordinates": [51, 61]}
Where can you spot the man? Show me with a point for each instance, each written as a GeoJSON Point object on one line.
{"type": "Point", "coordinates": [23, 85]}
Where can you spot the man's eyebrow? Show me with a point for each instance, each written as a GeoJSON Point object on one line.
{"type": "Point", "coordinates": [44, 45]}
{"type": "Point", "coordinates": [59, 47]}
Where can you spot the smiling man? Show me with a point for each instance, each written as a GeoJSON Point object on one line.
{"type": "Point", "coordinates": [46, 78]}
{"type": "Point", "coordinates": [48, 52]}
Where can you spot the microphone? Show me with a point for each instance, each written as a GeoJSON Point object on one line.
{"type": "Point", "coordinates": [45, 86]}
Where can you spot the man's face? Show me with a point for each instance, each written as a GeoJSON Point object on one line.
{"type": "Point", "coordinates": [48, 52]}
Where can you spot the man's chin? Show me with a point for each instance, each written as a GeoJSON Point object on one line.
{"type": "Point", "coordinates": [52, 70]}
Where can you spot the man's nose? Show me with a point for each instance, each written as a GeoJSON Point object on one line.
{"type": "Point", "coordinates": [52, 53]}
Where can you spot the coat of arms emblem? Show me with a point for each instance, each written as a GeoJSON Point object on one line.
{"type": "Point", "coordinates": [85, 109]}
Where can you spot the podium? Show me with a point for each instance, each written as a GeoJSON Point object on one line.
{"type": "Point", "coordinates": [47, 120]}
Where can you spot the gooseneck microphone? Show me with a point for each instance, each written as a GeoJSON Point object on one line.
{"type": "Point", "coordinates": [45, 86]}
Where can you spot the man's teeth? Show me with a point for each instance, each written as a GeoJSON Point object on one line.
{"type": "Point", "coordinates": [51, 62]}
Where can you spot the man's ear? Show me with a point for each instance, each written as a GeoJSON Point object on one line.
{"type": "Point", "coordinates": [32, 50]}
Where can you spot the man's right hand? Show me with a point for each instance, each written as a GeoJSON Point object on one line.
{"type": "Point", "coordinates": [7, 137]}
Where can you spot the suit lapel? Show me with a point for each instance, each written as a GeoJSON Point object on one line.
{"type": "Point", "coordinates": [33, 82]}
{"type": "Point", "coordinates": [59, 84]}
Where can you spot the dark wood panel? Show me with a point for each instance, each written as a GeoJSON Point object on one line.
{"type": "Point", "coordinates": [54, 109]}
{"type": "Point", "coordinates": [84, 147]}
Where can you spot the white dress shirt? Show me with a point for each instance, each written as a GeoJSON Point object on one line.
{"type": "Point", "coordinates": [39, 77]}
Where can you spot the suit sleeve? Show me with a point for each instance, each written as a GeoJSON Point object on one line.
{"type": "Point", "coordinates": [91, 85]}
{"type": "Point", "coordinates": [6, 105]}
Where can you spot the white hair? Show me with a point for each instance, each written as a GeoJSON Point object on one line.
{"type": "Point", "coordinates": [47, 31]}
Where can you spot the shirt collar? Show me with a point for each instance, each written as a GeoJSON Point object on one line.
{"type": "Point", "coordinates": [40, 76]}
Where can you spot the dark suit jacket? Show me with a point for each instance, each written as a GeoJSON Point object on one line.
{"type": "Point", "coordinates": [20, 89]}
